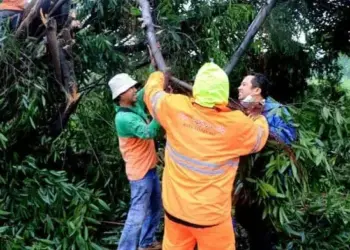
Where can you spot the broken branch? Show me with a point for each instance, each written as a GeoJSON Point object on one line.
{"type": "Point", "coordinates": [34, 11]}
{"type": "Point", "coordinates": [52, 44]}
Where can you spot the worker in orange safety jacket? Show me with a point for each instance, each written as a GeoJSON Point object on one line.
{"type": "Point", "coordinates": [204, 142]}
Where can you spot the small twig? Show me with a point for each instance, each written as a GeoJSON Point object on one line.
{"type": "Point", "coordinates": [114, 223]}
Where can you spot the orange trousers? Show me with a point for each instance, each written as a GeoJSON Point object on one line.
{"type": "Point", "coordinates": [181, 237]}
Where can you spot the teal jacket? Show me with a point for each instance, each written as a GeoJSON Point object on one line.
{"type": "Point", "coordinates": [132, 122]}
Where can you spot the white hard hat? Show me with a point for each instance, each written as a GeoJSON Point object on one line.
{"type": "Point", "coordinates": [120, 83]}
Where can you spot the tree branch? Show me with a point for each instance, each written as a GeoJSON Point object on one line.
{"type": "Point", "coordinates": [63, 56]}
{"type": "Point", "coordinates": [152, 40]}
{"type": "Point", "coordinates": [34, 11]}
{"type": "Point", "coordinates": [52, 44]}
{"type": "Point", "coordinates": [251, 32]}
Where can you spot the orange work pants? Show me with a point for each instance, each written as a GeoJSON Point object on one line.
{"type": "Point", "coordinates": [181, 237]}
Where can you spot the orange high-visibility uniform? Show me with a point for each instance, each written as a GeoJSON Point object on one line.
{"type": "Point", "coordinates": [181, 237]}
{"type": "Point", "coordinates": [17, 5]}
{"type": "Point", "coordinates": [202, 153]}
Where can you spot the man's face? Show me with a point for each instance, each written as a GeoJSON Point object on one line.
{"type": "Point", "coordinates": [246, 88]}
{"type": "Point", "coordinates": [129, 97]}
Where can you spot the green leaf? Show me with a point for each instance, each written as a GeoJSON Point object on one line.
{"type": "Point", "coordinates": [46, 241]}
{"type": "Point", "coordinates": [264, 214]}
{"type": "Point", "coordinates": [4, 229]}
{"type": "Point", "coordinates": [338, 116]}
{"type": "Point", "coordinates": [32, 122]}
{"type": "Point", "coordinates": [2, 212]}
{"type": "Point", "coordinates": [104, 205]}
{"type": "Point", "coordinates": [319, 158]}
{"type": "Point", "coordinates": [43, 100]}
{"type": "Point", "coordinates": [250, 180]}
{"type": "Point", "coordinates": [49, 223]}
{"type": "Point", "coordinates": [94, 207]}
{"type": "Point", "coordinates": [269, 188]}
{"type": "Point", "coordinates": [295, 172]}
{"type": "Point", "coordinates": [3, 140]}
{"type": "Point", "coordinates": [89, 219]}
{"type": "Point", "coordinates": [135, 11]}
{"type": "Point", "coordinates": [71, 225]}
{"type": "Point", "coordinates": [95, 246]}
{"type": "Point", "coordinates": [325, 112]}
{"type": "Point", "coordinates": [81, 242]}
{"type": "Point", "coordinates": [86, 233]}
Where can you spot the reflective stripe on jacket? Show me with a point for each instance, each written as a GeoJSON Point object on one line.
{"type": "Point", "coordinates": [136, 142]}
{"type": "Point", "coordinates": [202, 153]}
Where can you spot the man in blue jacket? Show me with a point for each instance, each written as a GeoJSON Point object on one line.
{"type": "Point", "coordinates": [254, 91]}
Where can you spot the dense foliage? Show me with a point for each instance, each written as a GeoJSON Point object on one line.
{"type": "Point", "coordinates": [69, 191]}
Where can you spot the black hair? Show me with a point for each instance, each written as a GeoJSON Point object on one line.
{"type": "Point", "coordinates": [261, 81]}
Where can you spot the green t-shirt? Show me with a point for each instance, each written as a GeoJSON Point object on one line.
{"type": "Point", "coordinates": [133, 124]}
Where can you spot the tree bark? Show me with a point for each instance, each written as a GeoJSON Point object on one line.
{"type": "Point", "coordinates": [34, 11]}
{"type": "Point", "coordinates": [53, 47]}
{"type": "Point", "coordinates": [147, 20]}
{"type": "Point", "coordinates": [251, 32]}
{"type": "Point", "coordinates": [152, 40]}
{"type": "Point", "coordinates": [63, 61]}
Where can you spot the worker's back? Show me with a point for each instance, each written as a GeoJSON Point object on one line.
{"type": "Point", "coordinates": [202, 153]}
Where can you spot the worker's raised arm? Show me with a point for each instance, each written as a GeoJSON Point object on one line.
{"type": "Point", "coordinates": [252, 134]}
{"type": "Point", "coordinates": [155, 95]}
